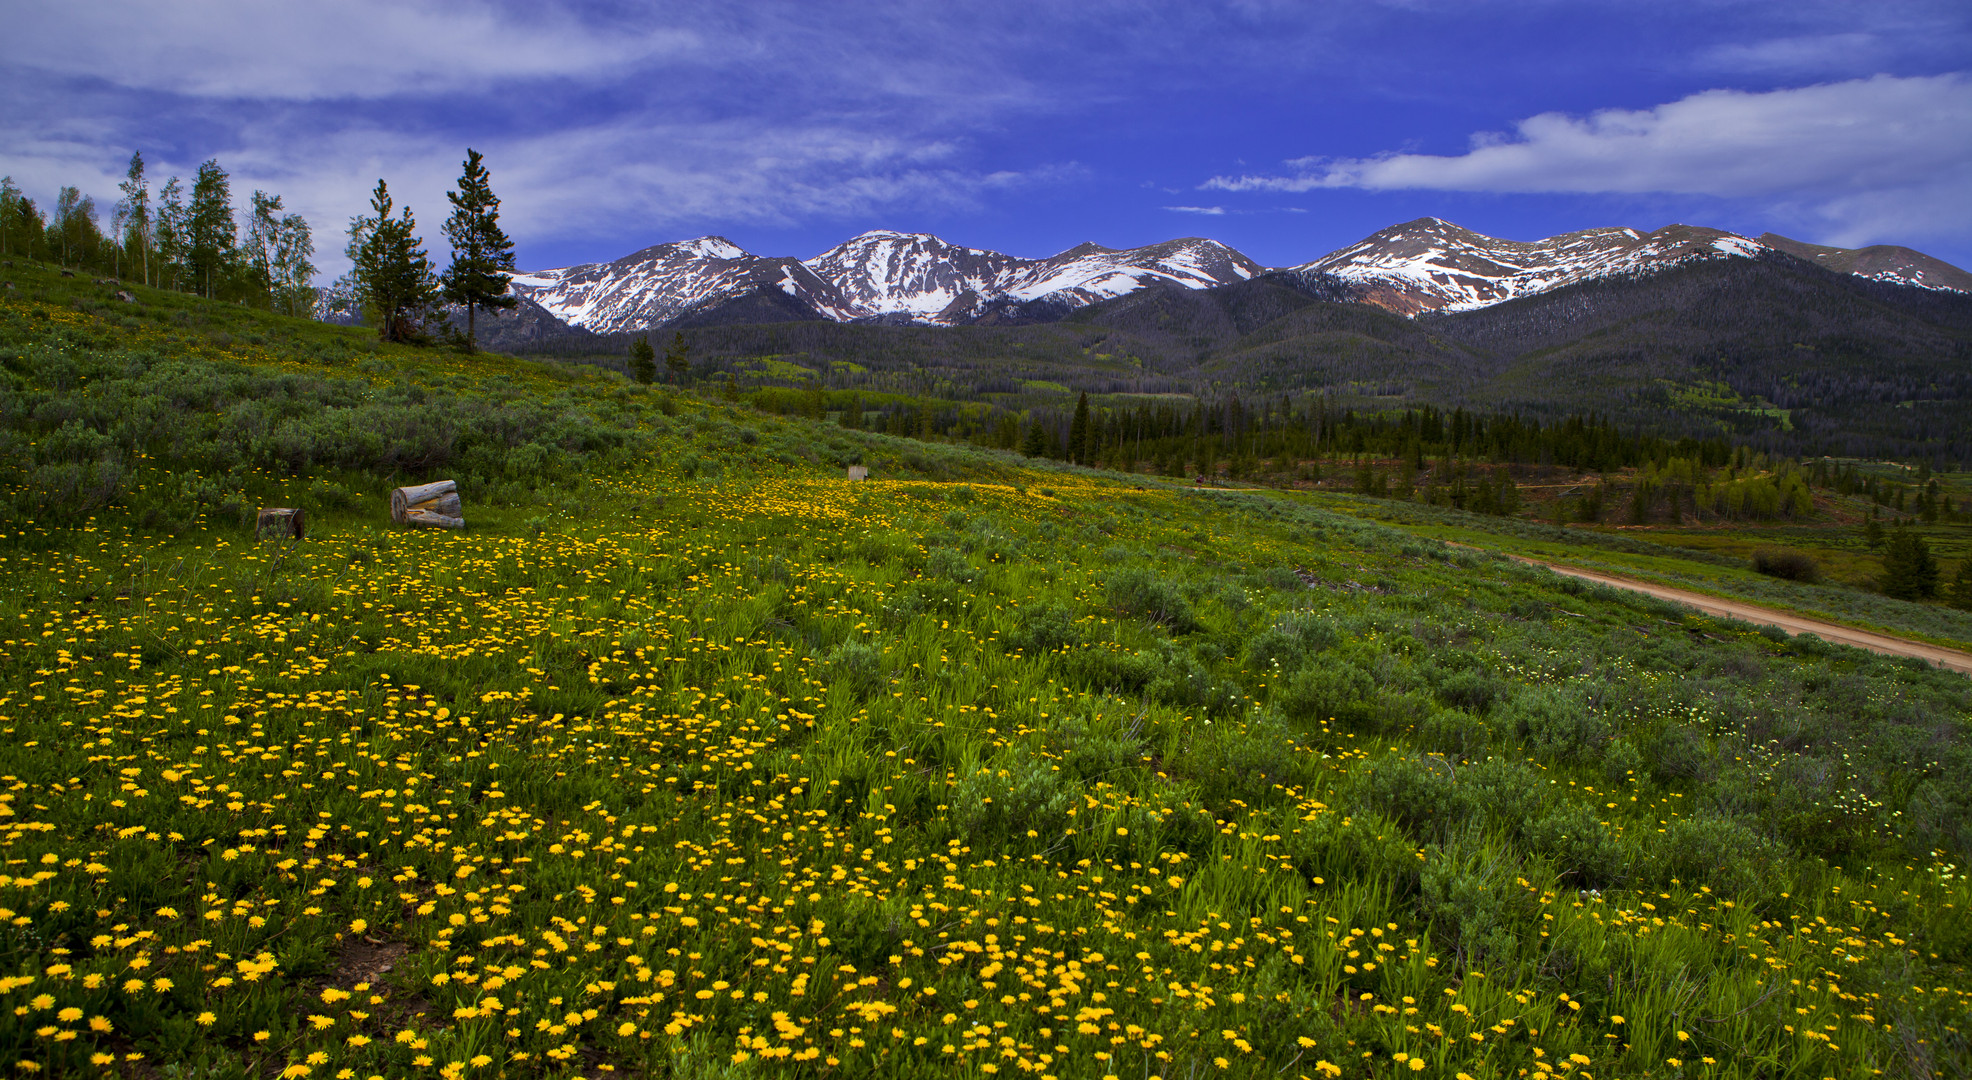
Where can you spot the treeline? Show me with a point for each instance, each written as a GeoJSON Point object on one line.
{"type": "Point", "coordinates": [195, 240]}
{"type": "Point", "coordinates": [1457, 458]}
{"type": "Point", "coordinates": [1204, 436]}
{"type": "Point", "coordinates": [1198, 436]}
{"type": "Point", "coordinates": [188, 239]}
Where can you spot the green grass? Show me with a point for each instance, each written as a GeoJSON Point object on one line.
{"type": "Point", "coordinates": [694, 759]}
{"type": "Point", "coordinates": [1716, 563]}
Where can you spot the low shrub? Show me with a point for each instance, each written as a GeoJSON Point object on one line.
{"type": "Point", "coordinates": [1715, 851]}
{"type": "Point", "coordinates": [1420, 794]}
{"type": "Point", "coordinates": [1454, 733]}
{"type": "Point", "coordinates": [1791, 565]}
{"type": "Point", "coordinates": [1338, 691]}
{"type": "Point", "coordinates": [1584, 851]}
{"type": "Point", "coordinates": [1042, 628]}
{"type": "Point", "coordinates": [1557, 724]}
{"type": "Point", "coordinates": [1136, 591]}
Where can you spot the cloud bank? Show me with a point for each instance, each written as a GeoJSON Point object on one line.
{"type": "Point", "coordinates": [1868, 156]}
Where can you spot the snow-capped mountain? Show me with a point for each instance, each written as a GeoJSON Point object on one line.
{"type": "Point", "coordinates": [913, 275]}
{"type": "Point", "coordinates": [1419, 266]}
{"type": "Point", "coordinates": [1879, 262]}
{"type": "Point", "coordinates": [1087, 273]}
{"type": "Point", "coordinates": [1433, 265]}
{"type": "Point", "coordinates": [878, 276]}
{"type": "Point", "coordinates": [671, 281]}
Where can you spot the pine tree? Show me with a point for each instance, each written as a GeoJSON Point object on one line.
{"type": "Point", "coordinates": [482, 256]}
{"type": "Point", "coordinates": [1872, 531]}
{"type": "Point", "coordinates": [852, 417]}
{"type": "Point", "coordinates": [391, 275]}
{"type": "Point", "coordinates": [172, 243]}
{"type": "Point", "coordinates": [643, 360]}
{"type": "Point", "coordinates": [134, 214]}
{"type": "Point", "coordinates": [1910, 572]}
{"type": "Point", "coordinates": [677, 360]}
{"type": "Point", "coordinates": [1078, 432]}
{"type": "Point", "coordinates": [1035, 443]}
{"type": "Point", "coordinates": [1961, 586]}
{"type": "Point", "coordinates": [210, 234]}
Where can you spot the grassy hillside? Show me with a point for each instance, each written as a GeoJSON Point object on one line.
{"type": "Point", "coordinates": [692, 758]}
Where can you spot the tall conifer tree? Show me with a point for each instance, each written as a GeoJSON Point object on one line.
{"type": "Point", "coordinates": [210, 233]}
{"type": "Point", "coordinates": [482, 256]}
{"type": "Point", "coordinates": [171, 229]}
{"type": "Point", "coordinates": [392, 276]}
{"type": "Point", "coordinates": [135, 216]}
{"type": "Point", "coordinates": [643, 359]}
{"type": "Point", "coordinates": [677, 359]}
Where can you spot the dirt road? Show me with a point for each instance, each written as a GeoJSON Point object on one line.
{"type": "Point", "coordinates": [1950, 659]}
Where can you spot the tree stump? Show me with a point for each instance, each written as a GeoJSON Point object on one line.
{"type": "Point", "coordinates": [429, 506]}
{"type": "Point", "coordinates": [280, 523]}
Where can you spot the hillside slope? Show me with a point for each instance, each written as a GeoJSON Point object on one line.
{"type": "Point", "coordinates": [690, 755]}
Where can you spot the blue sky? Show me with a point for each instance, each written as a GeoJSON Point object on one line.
{"type": "Point", "coordinates": [1283, 129]}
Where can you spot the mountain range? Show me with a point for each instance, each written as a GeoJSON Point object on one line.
{"type": "Point", "coordinates": [882, 277]}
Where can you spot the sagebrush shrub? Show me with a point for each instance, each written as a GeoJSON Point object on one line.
{"type": "Point", "coordinates": [1557, 724]}
{"type": "Point", "coordinates": [1139, 592]}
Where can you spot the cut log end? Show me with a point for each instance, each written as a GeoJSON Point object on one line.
{"type": "Point", "coordinates": [280, 523]}
{"type": "Point", "coordinates": [438, 501]}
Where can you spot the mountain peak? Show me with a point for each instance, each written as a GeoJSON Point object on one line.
{"type": "Point", "coordinates": [1433, 265]}
{"type": "Point", "coordinates": [1880, 262]}
{"type": "Point", "coordinates": [713, 247]}
{"type": "Point", "coordinates": [1427, 264]}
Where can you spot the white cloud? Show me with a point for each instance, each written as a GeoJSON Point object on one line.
{"type": "Point", "coordinates": [1864, 158]}
{"type": "Point", "coordinates": [361, 49]}
{"type": "Point", "coordinates": [1213, 211]}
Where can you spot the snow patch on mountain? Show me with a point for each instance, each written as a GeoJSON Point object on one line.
{"type": "Point", "coordinates": [671, 281]}
{"type": "Point", "coordinates": [882, 276]}
{"type": "Point", "coordinates": [1433, 265]}
{"type": "Point", "coordinates": [924, 279]}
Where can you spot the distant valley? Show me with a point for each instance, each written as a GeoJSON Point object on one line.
{"type": "Point", "coordinates": [1684, 330]}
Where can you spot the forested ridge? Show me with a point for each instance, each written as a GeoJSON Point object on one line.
{"type": "Point", "coordinates": [1790, 357]}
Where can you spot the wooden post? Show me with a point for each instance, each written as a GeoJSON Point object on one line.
{"type": "Point", "coordinates": [432, 506]}
{"type": "Point", "coordinates": [279, 523]}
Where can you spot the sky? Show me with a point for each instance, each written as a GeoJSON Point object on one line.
{"type": "Point", "coordinates": [1285, 129]}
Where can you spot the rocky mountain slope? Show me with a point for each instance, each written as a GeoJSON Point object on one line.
{"type": "Point", "coordinates": [1881, 262]}
{"type": "Point", "coordinates": [883, 277]}
{"type": "Point", "coordinates": [1433, 265]}
{"type": "Point", "coordinates": [672, 282]}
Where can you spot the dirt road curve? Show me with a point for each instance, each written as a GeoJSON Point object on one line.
{"type": "Point", "coordinates": [1951, 659]}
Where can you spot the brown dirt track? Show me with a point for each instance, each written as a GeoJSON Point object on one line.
{"type": "Point", "coordinates": [1950, 659]}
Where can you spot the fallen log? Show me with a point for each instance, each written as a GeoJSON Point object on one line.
{"type": "Point", "coordinates": [432, 506]}
{"type": "Point", "coordinates": [280, 523]}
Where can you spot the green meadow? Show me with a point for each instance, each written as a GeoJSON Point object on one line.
{"type": "Point", "coordinates": [691, 758]}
